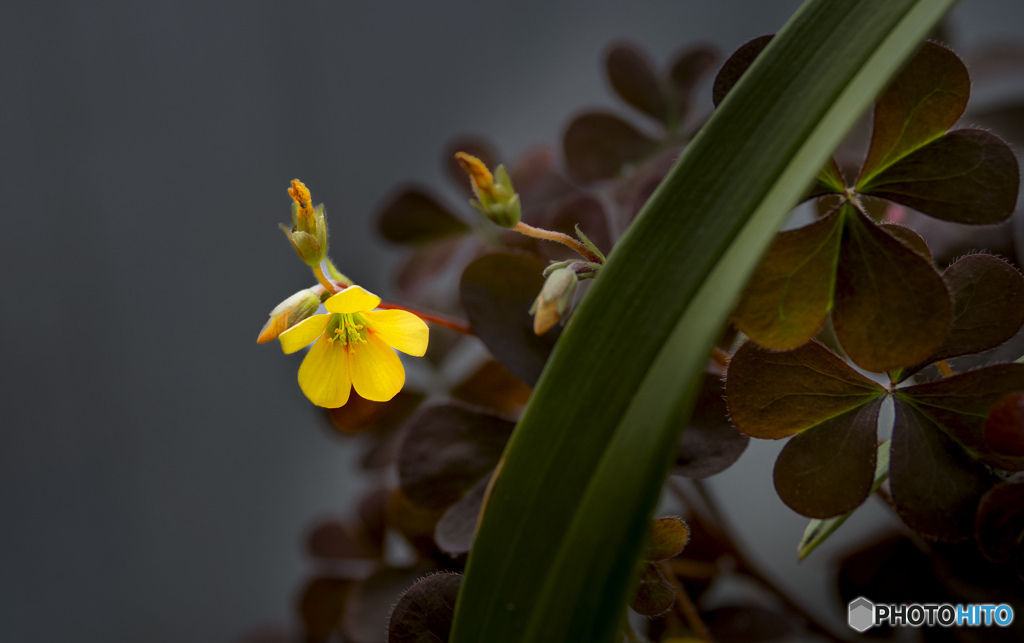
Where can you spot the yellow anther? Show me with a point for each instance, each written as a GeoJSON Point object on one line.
{"type": "Point", "coordinates": [300, 194]}
{"type": "Point", "coordinates": [477, 171]}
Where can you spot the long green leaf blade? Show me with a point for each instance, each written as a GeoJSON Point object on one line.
{"type": "Point", "coordinates": [557, 548]}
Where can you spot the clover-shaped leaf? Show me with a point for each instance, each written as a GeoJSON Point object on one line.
{"type": "Point", "coordinates": [935, 485]}
{"type": "Point", "coordinates": [493, 386]}
{"type": "Point", "coordinates": [889, 307]}
{"type": "Point", "coordinates": [778, 394]}
{"type": "Point", "coordinates": [497, 291]}
{"type": "Point", "coordinates": [710, 443]}
{"type": "Point", "coordinates": [924, 100]}
{"type": "Point", "coordinates": [457, 526]}
{"type": "Point", "coordinates": [967, 176]}
{"type": "Point", "coordinates": [1000, 522]}
{"type": "Point", "coordinates": [414, 217]}
{"type": "Point", "coordinates": [829, 469]}
{"type": "Point", "coordinates": [960, 405]}
{"type": "Point", "coordinates": [597, 145]}
{"type": "Point", "coordinates": [425, 611]}
{"type": "Point", "coordinates": [655, 595]}
{"type": "Point", "coordinates": [633, 77]}
{"type": "Point", "coordinates": [447, 449]}
{"type": "Point", "coordinates": [322, 605]}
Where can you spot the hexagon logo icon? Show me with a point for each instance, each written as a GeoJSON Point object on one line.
{"type": "Point", "coordinates": [861, 614]}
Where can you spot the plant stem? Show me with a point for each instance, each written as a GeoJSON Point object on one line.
{"type": "Point", "coordinates": [717, 527]}
{"type": "Point", "coordinates": [432, 318]}
{"type": "Point", "coordinates": [329, 285]}
{"type": "Point", "coordinates": [557, 237]}
{"type": "Point", "coordinates": [685, 604]}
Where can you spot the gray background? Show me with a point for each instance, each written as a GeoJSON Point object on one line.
{"type": "Point", "coordinates": [157, 467]}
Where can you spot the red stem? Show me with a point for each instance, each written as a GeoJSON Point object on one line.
{"type": "Point", "coordinates": [431, 318]}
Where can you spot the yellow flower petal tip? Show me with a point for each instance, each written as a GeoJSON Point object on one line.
{"type": "Point", "coordinates": [300, 193]}
{"type": "Point", "coordinates": [353, 299]}
{"type": "Point", "coordinates": [477, 171]}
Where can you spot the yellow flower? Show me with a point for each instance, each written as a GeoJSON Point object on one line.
{"type": "Point", "coordinates": [353, 348]}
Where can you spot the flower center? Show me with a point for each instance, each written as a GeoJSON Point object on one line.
{"type": "Point", "coordinates": [346, 329]}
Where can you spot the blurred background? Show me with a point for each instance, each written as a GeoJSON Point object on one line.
{"type": "Point", "coordinates": [158, 469]}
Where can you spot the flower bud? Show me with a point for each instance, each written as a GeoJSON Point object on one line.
{"type": "Point", "coordinates": [308, 234]}
{"type": "Point", "coordinates": [554, 299]}
{"type": "Point", "coordinates": [495, 196]}
{"type": "Point", "coordinates": [288, 313]}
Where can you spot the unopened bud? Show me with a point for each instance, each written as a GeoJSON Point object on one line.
{"type": "Point", "coordinates": [308, 234]}
{"type": "Point", "coordinates": [495, 196]}
{"type": "Point", "coordinates": [554, 299]}
{"type": "Point", "coordinates": [288, 313]}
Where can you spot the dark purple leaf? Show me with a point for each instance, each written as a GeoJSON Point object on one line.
{"type": "Point", "coordinates": [935, 485]}
{"type": "Point", "coordinates": [710, 443]}
{"type": "Point", "coordinates": [597, 145]}
{"type": "Point", "coordinates": [424, 613]}
{"type": "Point", "coordinates": [633, 78]}
{"type": "Point", "coordinates": [448, 448]}
{"type": "Point", "coordinates": [413, 216]}
{"type": "Point", "coordinates": [828, 469]}
{"type": "Point", "coordinates": [497, 291]}
{"type": "Point", "coordinates": [736, 65]}
{"type": "Point", "coordinates": [1001, 521]}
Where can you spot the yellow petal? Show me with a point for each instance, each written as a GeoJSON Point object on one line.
{"type": "Point", "coordinates": [302, 334]}
{"type": "Point", "coordinates": [377, 373]}
{"type": "Point", "coordinates": [352, 300]}
{"type": "Point", "coordinates": [324, 374]}
{"type": "Point", "coordinates": [399, 329]}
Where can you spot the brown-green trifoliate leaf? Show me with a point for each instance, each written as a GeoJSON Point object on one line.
{"type": "Point", "coordinates": [669, 536]}
{"type": "Point", "coordinates": [494, 387]}
{"type": "Point", "coordinates": [333, 540]}
{"type": "Point", "coordinates": [935, 485]}
{"type": "Point", "coordinates": [447, 449]}
{"type": "Point", "coordinates": [634, 79]}
{"type": "Point", "coordinates": [829, 181]}
{"type": "Point", "coordinates": [687, 71]}
{"type": "Point", "coordinates": [909, 238]}
{"type": "Point", "coordinates": [988, 305]}
{"type": "Point", "coordinates": [369, 605]}
{"type": "Point", "coordinates": [891, 307]}
{"type": "Point", "coordinates": [1004, 428]}
{"type": "Point", "coordinates": [455, 529]}
{"type": "Point", "coordinates": [1001, 521]}
{"type": "Point", "coordinates": [828, 469]}
{"type": "Point", "coordinates": [321, 606]}
{"type": "Point", "coordinates": [655, 595]}
{"type": "Point", "coordinates": [710, 443]}
{"type": "Point", "coordinates": [819, 530]}
{"type": "Point", "coordinates": [413, 216]}
{"type": "Point", "coordinates": [424, 613]}
{"type": "Point", "coordinates": [960, 405]}
{"type": "Point", "coordinates": [921, 103]}
{"type": "Point", "coordinates": [788, 298]}
{"type": "Point", "coordinates": [736, 65]}
{"type": "Point", "coordinates": [360, 414]}
{"type": "Point", "coordinates": [597, 145]}
{"type": "Point", "coordinates": [777, 394]}
{"type": "Point", "coordinates": [497, 291]}
{"type": "Point", "coordinates": [966, 176]}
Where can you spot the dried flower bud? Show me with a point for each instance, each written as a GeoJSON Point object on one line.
{"type": "Point", "coordinates": [495, 196]}
{"type": "Point", "coordinates": [308, 234]}
{"type": "Point", "coordinates": [288, 313]}
{"type": "Point", "coordinates": [554, 299]}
